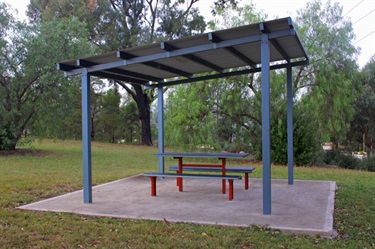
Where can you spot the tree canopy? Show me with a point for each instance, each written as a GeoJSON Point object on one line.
{"type": "Point", "coordinates": [29, 82]}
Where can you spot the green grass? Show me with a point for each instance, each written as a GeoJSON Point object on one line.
{"type": "Point", "coordinates": [26, 179]}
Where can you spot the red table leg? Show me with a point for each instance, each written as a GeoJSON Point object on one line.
{"type": "Point", "coordinates": [223, 172]}
{"type": "Point", "coordinates": [230, 189]}
{"type": "Point", "coordinates": [246, 181]}
{"type": "Point", "coordinates": [153, 185]}
{"type": "Point", "coordinates": [179, 180]}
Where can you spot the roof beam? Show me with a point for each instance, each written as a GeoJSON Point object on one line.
{"type": "Point", "coordinates": [65, 67]}
{"type": "Point", "coordinates": [168, 47]}
{"type": "Point", "coordinates": [214, 38]}
{"type": "Point", "coordinates": [291, 25]}
{"type": "Point", "coordinates": [119, 77]}
{"type": "Point", "coordinates": [127, 56]}
{"type": "Point", "coordinates": [274, 42]}
{"type": "Point", "coordinates": [228, 74]}
{"type": "Point", "coordinates": [121, 72]}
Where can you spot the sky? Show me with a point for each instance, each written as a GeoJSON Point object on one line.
{"type": "Point", "coordinates": [361, 13]}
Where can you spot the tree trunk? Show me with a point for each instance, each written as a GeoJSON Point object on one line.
{"type": "Point", "coordinates": [143, 104]}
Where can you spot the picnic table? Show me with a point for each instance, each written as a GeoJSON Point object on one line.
{"type": "Point", "coordinates": [181, 156]}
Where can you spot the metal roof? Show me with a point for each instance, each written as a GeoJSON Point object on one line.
{"type": "Point", "coordinates": [221, 53]}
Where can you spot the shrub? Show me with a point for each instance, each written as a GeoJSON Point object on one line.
{"type": "Point", "coordinates": [305, 144]}
{"type": "Point", "coordinates": [368, 164]}
{"type": "Point", "coordinates": [338, 158]}
{"type": "Point", "coordinates": [349, 162]}
{"type": "Point", "coordinates": [330, 157]}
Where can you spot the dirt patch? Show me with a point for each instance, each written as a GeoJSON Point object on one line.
{"type": "Point", "coordinates": [23, 152]}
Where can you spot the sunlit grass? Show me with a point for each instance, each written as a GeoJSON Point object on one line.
{"type": "Point", "coordinates": [26, 179]}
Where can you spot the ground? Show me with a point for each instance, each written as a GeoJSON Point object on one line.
{"type": "Point", "coordinates": [23, 152]}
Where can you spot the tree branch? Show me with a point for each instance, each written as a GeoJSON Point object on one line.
{"type": "Point", "coordinates": [128, 90]}
{"type": "Point", "coordinates": [28, 85]}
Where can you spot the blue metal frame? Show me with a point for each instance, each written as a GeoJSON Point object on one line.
{"type": "Point", "coordinates": [290, 125]}
{"type": "Point", "coordinates": [115, 69]}
{"type": "Point", "coordinates": [161, 127]}
{"type": "Point", "coordinates": [86, 138]}
{"type": "Point", "coordinates": [266, 127]}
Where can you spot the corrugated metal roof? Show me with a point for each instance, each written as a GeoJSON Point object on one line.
{"type": "Point", "coordinates": [237, 50]}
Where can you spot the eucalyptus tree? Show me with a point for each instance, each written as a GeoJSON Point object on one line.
{"type": "Point", "coordinates": [29, 84]}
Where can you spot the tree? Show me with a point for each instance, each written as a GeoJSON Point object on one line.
{"type": "Point", "coordinates": [137, 22]}
{"type": "Point", "coordinates": [29, 83]}
{"type": "Point", "coordinates": [362, 129]}
{"type": "Point", "coordinates": [329, 80]}
{"type": "Point", "coordinates": [131, 128]}
{"type": "Point", "coordinates": [221, 113]}
{"type": "Point", "coordinates": [110, 115]}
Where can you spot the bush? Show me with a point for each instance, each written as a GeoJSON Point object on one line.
{"type": "Point", "coordinates": [338, 158]}
{"type": "Point", "coordinates": [305, 144]}
{"type": "Point", "coordinates": [369, 164]}
{"type": "Point", "coordinates": [329, 157]}
{"type": "Point", "coordinates": [349, 162]}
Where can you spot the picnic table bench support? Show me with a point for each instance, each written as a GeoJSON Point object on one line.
{"type": "Point", "coordinates": [224, 187]}
{"type": "Point", "coordinates": [153, 177]}
{"type": "Point", "coordinates": [208, 168]}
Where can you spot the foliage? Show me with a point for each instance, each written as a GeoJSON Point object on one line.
{"type": "Point", "coordinates": [109, 117]}
{"type": "Point", "coordinates": [338, 158]}
{"type": "Point", "coordinates": [221, 113]}
{"type": "Point", "coordinates": [362, 130]}
{"type": "Point", "coordinates": [330, 78]}
{"type": "Point", "coordinates": [131, 126]}
{"type": "Point", "coordinates": [137, 22]}
{"type": "Point", "coordinates": [56, 170]}
{"type": "Point", "coordinates": [29, 83]}
{"type": "Point", "coordinates": [368, 163]}
{"type": "Point", "coordinates": [188, 121]}
{"type": "Point", "coordinates": [305, 142]}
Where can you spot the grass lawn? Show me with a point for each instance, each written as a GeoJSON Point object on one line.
{"type": "Point", "coordinates": [58, 170]}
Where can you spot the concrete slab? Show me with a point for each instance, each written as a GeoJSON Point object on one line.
{"type": "Point", "coordinates": [303, 208]}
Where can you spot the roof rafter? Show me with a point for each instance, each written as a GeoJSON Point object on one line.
{"type": "Point", "coordinates": [169, 47]}
{"type": "Point", "coordinates": [136, 76]}
{"type": "Point", "coordinates": [153, 64]}
{"type": "Point", "coordinates": [214, 38]}
{"type": "Point", "coordinates": [274, 42]}
{"type": "Point", "coordinates": [228, 74]}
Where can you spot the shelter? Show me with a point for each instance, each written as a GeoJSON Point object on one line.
{"type": "Point", "coordinates": [247, 49]}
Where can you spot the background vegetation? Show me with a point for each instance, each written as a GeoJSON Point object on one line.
{"type": "Point", "coordinates": [333, 98]}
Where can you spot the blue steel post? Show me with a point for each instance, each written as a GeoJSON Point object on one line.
{"type": "Point", "coordinates": [290, 125]}
{"type": "Point", "coordinates": [161, 127]}
{"type": "Point", "coordinates": [86, 138]}
{"type": "Point", "coordinates": [266, 127]}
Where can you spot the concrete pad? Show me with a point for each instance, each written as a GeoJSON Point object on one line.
{"type": "Point", "coordinates": [303, 208]}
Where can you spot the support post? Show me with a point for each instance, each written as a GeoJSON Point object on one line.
{"type": "Point", "coordinates": [161, 128]}
{"type": "Point", "coordinates": [290, 125]}
{"type": "Point", "coordinates": [86, 138]}
{"type": "Point", "coordinates": [266, 127]}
